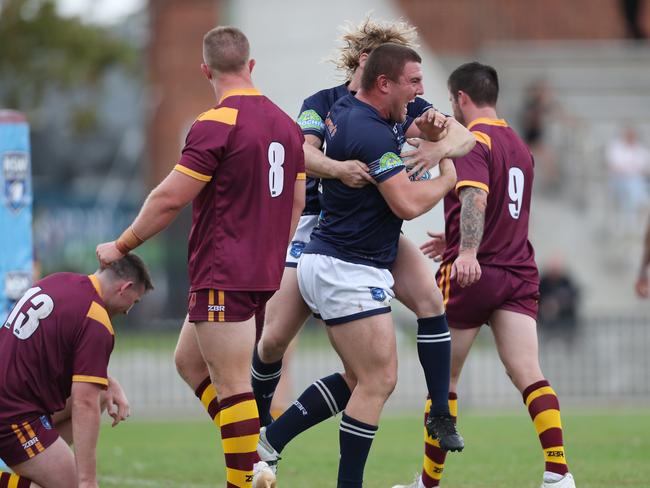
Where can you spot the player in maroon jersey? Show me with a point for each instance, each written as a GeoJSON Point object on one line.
{"type": "Point", "coordinates": [488, 273]}
{"type": "Point", "coordinates": [243, 168]}
{"type": "Point", "coordinates": [54, 351]}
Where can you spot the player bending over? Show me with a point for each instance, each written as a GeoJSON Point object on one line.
{"type": "Point", "coordinates": [54, 352]}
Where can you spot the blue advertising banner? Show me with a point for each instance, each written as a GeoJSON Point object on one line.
{"type": "Point", "coordinates": [16, 245]}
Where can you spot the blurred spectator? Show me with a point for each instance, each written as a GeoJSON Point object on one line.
{"type": "Point", "coordinates": [641, 285]}
{"type": "Point", "coordinates": [559, 298]}
{"type": "Point", "coordinates": [631, 10]}
{"type": "Point", "coordinates": [537, 108]}
{"type": "Point", "coordinates": [628, 162]}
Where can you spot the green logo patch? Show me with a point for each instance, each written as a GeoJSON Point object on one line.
{"type": "Point", "coordinates": [389, 161]}
{"type": "Point", "coordinates": [310, 119]}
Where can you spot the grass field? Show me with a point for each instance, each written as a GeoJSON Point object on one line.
{"type": "Point", "coordinates": [603, 449]}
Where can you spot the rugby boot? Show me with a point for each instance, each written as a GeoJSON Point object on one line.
{"type": "Point", "coordinates": [566, 482]}
{"type": "Point", "coordinates": [443, 428]}
{"type": "Point", "coordinates": [267, 452]}
{"type": "Point", "coordinates": [416, 483]}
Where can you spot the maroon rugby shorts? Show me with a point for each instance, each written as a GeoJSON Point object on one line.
{"type": "Point", "coordinates": [497, 289]}
{"type": "Point", "coordinates": [23, 440]}
{"type": "Point", "coordinates": [227, 306]}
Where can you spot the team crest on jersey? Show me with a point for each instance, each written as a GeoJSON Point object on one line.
{"type": "Point", "coordinates": [378, 294]}
{"type": "Point", "coordinates": [309, 119]}
{"type": "Point", "coordinates": [46, 422]}
{"type": "Point", "coordinates": [15, 170]}
{"type": "Point", "coordinates": [297, 247]}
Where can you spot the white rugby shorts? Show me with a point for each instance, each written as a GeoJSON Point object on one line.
{"type": "Point", "coordinates": [300, 239]}
{"type": "Point", "coordinates": [337, 291]}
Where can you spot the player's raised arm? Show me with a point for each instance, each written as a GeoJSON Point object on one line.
{"type": "Point", "coordinates": [159, 209]}
{"type": "Point", "coordinates": [408, 199]}
{"type": "Point", "coordinates": [456, 141]}
{"type": "Point", "coordinates": [85, 431]}
{"type": "Point", "coordinates": [352, 173]}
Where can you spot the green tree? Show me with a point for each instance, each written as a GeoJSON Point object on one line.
{"type": "Point", "coordinates": [40, 50]}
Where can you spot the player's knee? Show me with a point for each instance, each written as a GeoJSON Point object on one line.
{"type": "Point", "coordinates": [382, 383]}
{"type": "Point", "coordinates": [191, 369]}
{"type": "Point", "coordinates": [429, 303]}
{"type": "Point", "coordinates": [272, 347]}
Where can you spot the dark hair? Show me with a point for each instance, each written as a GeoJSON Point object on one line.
{"type": "Point", "coordinates": [132, 268]}
{"type": "Point", "coordinates": [225, 49]}
{"type": "Point", "coordinates": [479, 81]}
{"type": "Point", "coordinates": [388, 60]}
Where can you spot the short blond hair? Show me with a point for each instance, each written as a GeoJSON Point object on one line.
{"type": "Point", "coordinates": [368, 35]}
{"type": "Point", "coordinates": [225, 49]}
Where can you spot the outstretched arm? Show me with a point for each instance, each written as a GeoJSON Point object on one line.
{"type": "Point", "coordinates": [159, 209]}
{"type": "Point", "coordinates": [409, 199]}
{"type": "Point", "coordinates": [466, 268]}
{"type": "Point", "coordinates": [455, 139]}
{"type": "Point", "coordinates": [85, 428]}
{"type": "Point", "coordinates": [352, 173]}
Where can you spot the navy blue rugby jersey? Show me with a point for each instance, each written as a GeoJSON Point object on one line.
{"type": "Point", "coordinates": [356, 224]}
{"type": "Point", "coordinates": [311, 120]}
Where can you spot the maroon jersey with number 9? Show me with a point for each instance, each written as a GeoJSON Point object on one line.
{"type": "Point", "coordinates": [502, 165]}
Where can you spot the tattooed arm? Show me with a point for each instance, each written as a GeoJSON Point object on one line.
{"type": "Point", "coordinates": [466, 268]}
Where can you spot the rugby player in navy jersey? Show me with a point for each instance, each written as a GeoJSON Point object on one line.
{"type": "Point", "coordinates": [414, 280]}
{"type": "Point", "coordinates": [344, 273]}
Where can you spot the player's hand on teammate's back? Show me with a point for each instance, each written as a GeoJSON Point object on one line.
{"type": "Point", "coordinates": [425, 156]}
{"type": "Point", "coordinates": [117, 404]}
{"type": "Point", "coordinates": [435, 247]}
{"type": "Point", "coordinates": [354, 174]}
{"type": "Point", "coordinates": [107, 253]}
{"type": "Point", "coordinates": [433, 124]}
{"type": "Point", "coordinates": [466, 269]}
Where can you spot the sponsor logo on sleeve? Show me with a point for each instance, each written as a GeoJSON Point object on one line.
{"type": "Point", "coordinates": [310, 120]}
{"type": "Point", "coordinates": [387, 162]}
{"type": "Point", "coordinates": [15, 170]}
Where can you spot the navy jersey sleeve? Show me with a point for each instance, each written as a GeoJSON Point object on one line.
{"type": "Point", "coordinates": [377, 147]}
{"type": "Point", "coordinates": [312, 115]}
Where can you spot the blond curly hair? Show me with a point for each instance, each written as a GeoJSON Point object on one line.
{"type": "Point", "coordinates": [368, 35]}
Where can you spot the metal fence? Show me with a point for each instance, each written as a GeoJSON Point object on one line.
{"type": "Point", "coordinates": [605, 363]}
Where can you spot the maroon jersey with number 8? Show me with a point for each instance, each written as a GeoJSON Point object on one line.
{"type": "Point", "coordinates": [249, 153]}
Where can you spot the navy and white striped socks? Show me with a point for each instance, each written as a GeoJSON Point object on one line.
{"type": "Point", "coordinates": [355, 440]}
{"type": "Point", "coordinates": [434, 352]}
{"type": "Point", "coordinates": [264, 379]}
{"type": "Point", "coordinates": [321, 400]}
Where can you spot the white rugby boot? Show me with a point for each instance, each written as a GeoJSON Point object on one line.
{"type": "Point", "coordinates": [267, 452]}
{"type": "Point", "coordinates": [417, 483]}
{"type": "Point", "coordinates": [566, 482]}
{"type": "Point", "coordinates": [263, 476]}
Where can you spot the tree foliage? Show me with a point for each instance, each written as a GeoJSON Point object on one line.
{"type": "Point", "coordinates": [39, 50]}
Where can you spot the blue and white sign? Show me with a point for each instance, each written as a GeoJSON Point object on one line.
{"type": "Point", "coordinates": [16, 244]}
